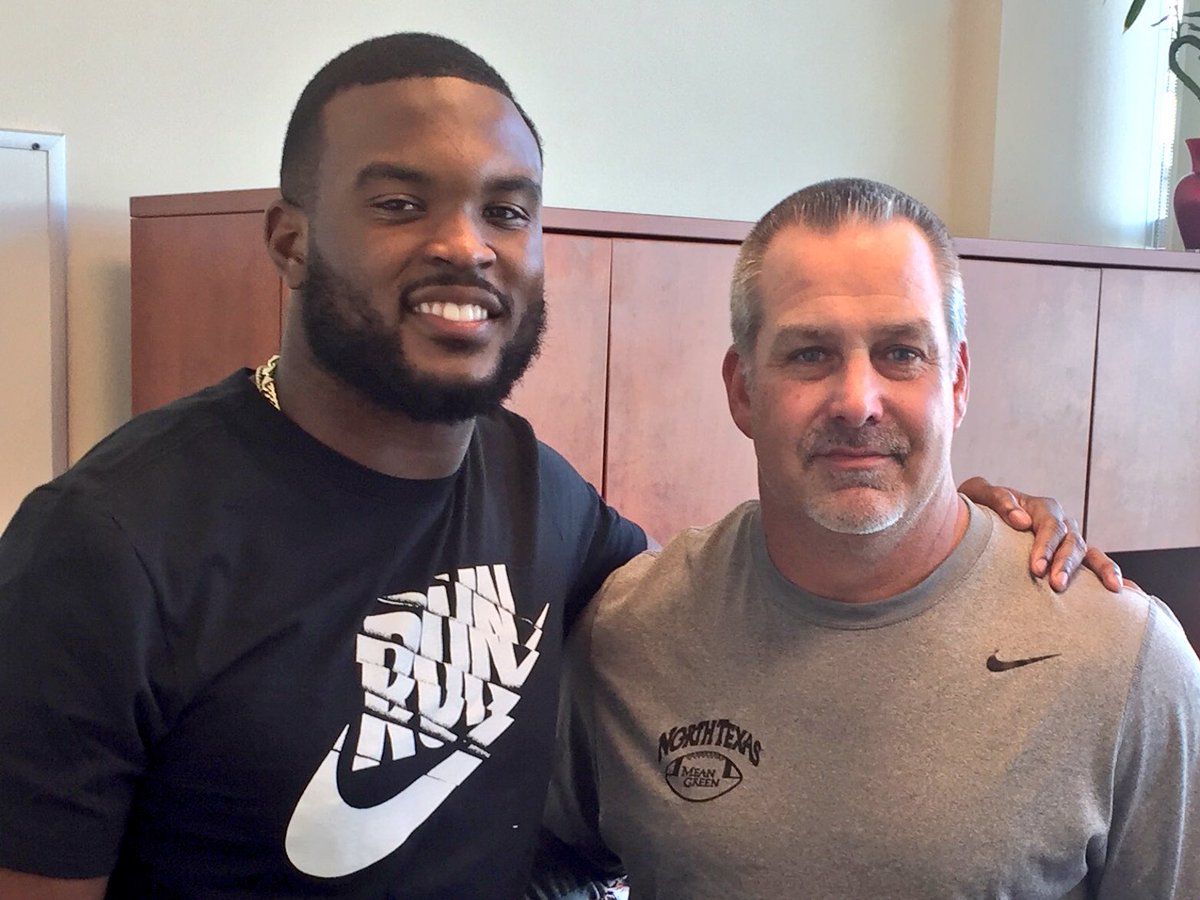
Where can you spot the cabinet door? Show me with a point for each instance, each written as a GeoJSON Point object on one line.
{"type": "Point", "coordinates": [205, 300]}
{"type": "Point", "coordinates": [1031, 333]}
{"type": "Point", "coordinates": [563, 393]}
{"type": "Point", "coordinates": [1145, 480]}
{"type": "Point", "coordinates": [675, 458]}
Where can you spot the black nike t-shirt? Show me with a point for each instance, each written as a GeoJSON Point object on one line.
{"type": "Point", "coordinates": [237, 664]}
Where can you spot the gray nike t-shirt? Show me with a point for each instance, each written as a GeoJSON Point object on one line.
{"type": "Point", "coordinates": [727, 734]}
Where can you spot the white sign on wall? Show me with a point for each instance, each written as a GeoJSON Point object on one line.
{"type": "Point", "coordinates": [33, 409]}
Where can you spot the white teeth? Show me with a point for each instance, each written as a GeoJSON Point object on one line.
{"type": "Point", "coordinates": [454, 312]}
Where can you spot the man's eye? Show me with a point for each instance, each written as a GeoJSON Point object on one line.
{"type": "Point", "coordinates": [395, 205]}
{"type": "Point", "coordinates": [807, 355]}
{"type": "Point", "coordinates": [903, 354]}
{"type": "Point", "coordinates": [506, 213]}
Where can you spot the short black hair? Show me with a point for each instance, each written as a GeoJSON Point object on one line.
{"type": "Point", "coordinates": [392, 57]}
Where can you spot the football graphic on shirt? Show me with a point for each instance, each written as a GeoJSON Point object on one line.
{"type": "Point", "coordinates": [702, 775]}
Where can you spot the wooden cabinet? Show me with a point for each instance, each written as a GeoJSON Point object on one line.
{"type": "Point", "coordinates": [1031, 334]}
{"type": "Point", "coordinates": [206, 299]}
{"type": "Point", "coordinates": [1084, 381]}
{"type": "Point", "coordinates": [1074, 341]}
{"type": "Point", "coordinates": [563, 393]}
{"type": "Point", "coordinates": [1059, 333]}
{"type": "Point", "coordinates": [675, 457]}
{"type": "Point", "coordinates": [1145, 479]}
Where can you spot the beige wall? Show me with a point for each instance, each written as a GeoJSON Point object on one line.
{"type": "Point", "coordinates": [1074, 123]}
{"type": "Point", "coordinates": [688, 108]}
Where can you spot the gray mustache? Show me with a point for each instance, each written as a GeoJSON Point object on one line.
{"type": "Point", "coordinates": [885, 441]}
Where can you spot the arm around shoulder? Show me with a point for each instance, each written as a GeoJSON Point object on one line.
{"type": "Point", "coordinates": [602, 538]}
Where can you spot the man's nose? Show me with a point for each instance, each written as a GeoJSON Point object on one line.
{"type": "Point", "coordinates": [458, 240]}
{"type": "Point", "coordinates": [857, 392]}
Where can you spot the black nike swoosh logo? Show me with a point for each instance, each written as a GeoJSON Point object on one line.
{"type": "Point", "coordinates": [1003, 665]}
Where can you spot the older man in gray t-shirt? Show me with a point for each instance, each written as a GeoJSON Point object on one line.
{"type": "Point", "coordinates": [852, 687]}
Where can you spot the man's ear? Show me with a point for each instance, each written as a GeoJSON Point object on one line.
{"type": "Point", "coordinates": [737, 391]}
{"type": "Point", "coordinates": [285, 228]}
{"type": "Point", "coordinates": [962, 384]}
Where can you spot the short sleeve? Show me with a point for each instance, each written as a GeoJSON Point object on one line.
{"type": "Point", "coordinates": [78, 641]}
{"type": "Point", "coordinates": [605, 539]}
{"type": "Point", "coordinates": [1154, 840]}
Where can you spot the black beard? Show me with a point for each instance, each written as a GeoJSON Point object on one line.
{"type": "Point", "coordinates": [350, 340]}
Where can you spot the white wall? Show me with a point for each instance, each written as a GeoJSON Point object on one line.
{"type": "Point", "coordinates": [1074, 123]}
{"type": "Point", "coordinates": [1015, 119]}
{"type": "Point", "coordinates": [687, 108]}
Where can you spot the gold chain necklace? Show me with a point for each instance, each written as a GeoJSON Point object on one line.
{"type": "Point", "coordinates": [264, 380]}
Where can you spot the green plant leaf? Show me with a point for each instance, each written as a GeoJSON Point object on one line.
{"type": "Point", "coordinates": [1135, 10]}
{"type": "Point", "coordinates": [1184, 40]}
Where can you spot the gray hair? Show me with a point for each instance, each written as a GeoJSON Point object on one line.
{"type": "Point", "coordinates": [824, 207]}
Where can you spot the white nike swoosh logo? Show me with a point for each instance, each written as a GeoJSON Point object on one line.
{"type": "Point", "coordinates": [328, 838]}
